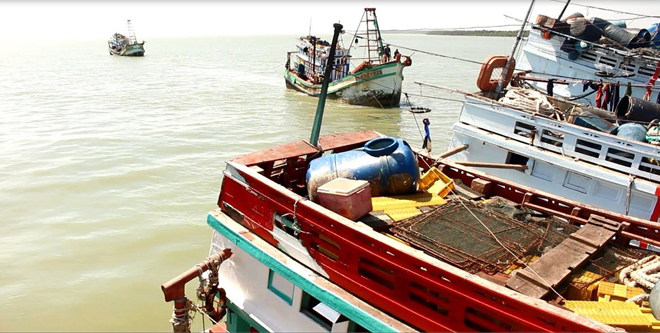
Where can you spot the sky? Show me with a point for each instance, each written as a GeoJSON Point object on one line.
{"type": "Point", "coordinates": [29, 20]}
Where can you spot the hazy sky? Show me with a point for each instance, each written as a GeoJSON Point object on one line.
{"type": "Point", "coordinates": [33, 20]}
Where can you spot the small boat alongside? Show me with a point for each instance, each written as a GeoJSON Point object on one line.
{"type": "Point", "coordinates": [355, 232]}
{"type": "Point", "coordinates": [121, 45]}
{"type": "Point", "coordinates": [375, 81]}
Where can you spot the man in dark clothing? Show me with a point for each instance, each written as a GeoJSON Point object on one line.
{"type": "Point", "coordinates": [387, 52]}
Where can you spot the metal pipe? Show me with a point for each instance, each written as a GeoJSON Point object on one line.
{"type": "Point", "coordinates": [453, 151]}
{"type": "Point", "coordinates": [318, 119]}
{"type": "Point", "coordinates": [500, 82]}
{"type": "Point", "coordinates": [174, 289]}
{"type": "Point", "coordinates": [563, 10]}
{"type": "Point", "coordinates": [492, 165]}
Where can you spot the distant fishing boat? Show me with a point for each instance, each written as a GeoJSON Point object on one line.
{"type": "Point", "coordinates": [126, 46]}
{"type": "Point", "coordinates": [376, 81]}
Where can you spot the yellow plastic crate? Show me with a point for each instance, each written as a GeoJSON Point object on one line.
{"type": "Point", "coordinates": [617, 292]}
{"type": "Point", "coordinates": [626, 315]}
{"type": "Point", "coordinates": [436, 182]}
{"type": "Point", "coordinates": [582, 286]}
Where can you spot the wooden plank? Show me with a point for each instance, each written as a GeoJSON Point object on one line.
{"type": "Point", "coordinates": [302, 147]}
{"type": "Point", "coordinates": [557, 265]}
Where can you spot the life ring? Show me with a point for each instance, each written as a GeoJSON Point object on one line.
{"type": "Point", "coordinates": [484, 80]}
{"type": "Point", "coordinates": [407, 62]}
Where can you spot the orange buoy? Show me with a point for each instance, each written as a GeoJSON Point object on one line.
{"type": "Point", "coordinates": [484, 80]}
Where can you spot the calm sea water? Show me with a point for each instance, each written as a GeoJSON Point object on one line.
{"type": "Point", "coordinates": [108, 165]}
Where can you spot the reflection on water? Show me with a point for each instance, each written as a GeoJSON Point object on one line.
{"type": "Point", "coordinates": [108, 165]}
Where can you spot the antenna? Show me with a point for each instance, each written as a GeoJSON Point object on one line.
{"type": "Point", "coordinates": [310, 27]}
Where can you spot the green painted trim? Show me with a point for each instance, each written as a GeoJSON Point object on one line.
{"type": "Point", "coordinates": [350, 311]}
{"type": "Point", "coordinates": [281, 294]}
{"type": "Point", "coordinates": [243, 322]}
{"type": "Point", "coordinates": [294, 81]}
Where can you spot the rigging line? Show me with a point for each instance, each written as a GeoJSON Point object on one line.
{"type": "Point", "coordinates": [435, 97]}
{"type": "Point", "coordinates": [437, 54]}
{"type": "Point", "coordinates": [609, 10]}
{"type": "Point", "coordinates": [573, 79]}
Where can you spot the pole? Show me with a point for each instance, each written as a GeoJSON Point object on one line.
{"type": "Point", "coordinates": [316, 130]}
{"type": "Point", "coordinates": [500, 83]}
{"type": "Point", "coordinates": [563, 10]}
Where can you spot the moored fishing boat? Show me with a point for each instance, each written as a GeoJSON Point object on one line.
{"type": "Point", "coordinates": [121, 45]}
{"type": "Point", "coordinates": [580, 152]}
{"type": "Point", "coordinates": [344, 233]}
{"type": "Point", "coordinates": [606, 55]}
{"type": "Point", "coordinates": [376, 81]}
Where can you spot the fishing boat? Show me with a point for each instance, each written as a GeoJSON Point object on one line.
{"type": "Point", "coordinates": [121, 45]}
{"type": "Point", "coordinates": [595, 55]}
{"type": "Point", "coordinates": [356, 232]}
{"type": "Point", "coordinates": [608, 159]}
{"type": "Point", "coordinates": [375, 81]}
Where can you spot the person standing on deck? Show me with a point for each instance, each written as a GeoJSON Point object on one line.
{"type": "Point", "coordinates": [387, 53]}
{"type": "Point", "coordinates": [427, 136]}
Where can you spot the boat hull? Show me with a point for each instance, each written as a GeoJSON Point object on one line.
{"type": "Point", "coordinates": [379, 86]}
{"type": "Point", "coordinates": [268, 289]}
{"type": "Point", "coordinates": [559, 159]}
{"type": "Point", "coordinates": [132, 50]}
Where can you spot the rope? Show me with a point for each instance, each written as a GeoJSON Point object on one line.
{"type": "Point", "coordinates": [181, 322]}
{"type": "Point", "coordinates": [610, 10]}
{"type": "Point", "coordinates": [437, 54]}
{"type": "Point", "coordinates": [629, 192]}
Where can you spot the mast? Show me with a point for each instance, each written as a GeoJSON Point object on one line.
{"type": "Point", "coordinates": [500, 82]}
{"type": "Point", "coordinates": [372, 34]}
{"type": "Point", "coordinates": [131, 33]}
{"type": "Point", "coordinates": [563, 10]}
{"type": "Point", "coordinates": [316, 129]}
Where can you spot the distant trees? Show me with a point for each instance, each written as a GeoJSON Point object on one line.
{"type": "Point", "coordinates": [488, 33]}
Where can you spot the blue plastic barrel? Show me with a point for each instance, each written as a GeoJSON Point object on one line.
{"type": "Point", "coordinates": [387, 163]}
{"type": "Point", "coordinates": [632, 131]}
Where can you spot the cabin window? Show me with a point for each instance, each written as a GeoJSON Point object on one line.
{"type": "Point", "coordinates": [620, 157]}
{"type": "Point", "coordinates": [543, 171]}
{"type": "Point", "coordinates": [646, 70]}
{"type": "Point", "coordinates": [577, 182]}
{"type": "Point", "coordinates": [514, 158]}
{"type": "Point", "coordinates": [524, 130]}
{"type": "Point", "coordinates": [280, 286]}
{"type": "Point", "coordinates": [323, 315]}
{"type": "Point", "coordinates": [587, 148]}
{"type": "Point", "coordinates": [553, 138]}
{"type": "Point", "coordinates": [651, 165]}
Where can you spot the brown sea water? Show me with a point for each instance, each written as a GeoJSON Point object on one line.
{"type": "Point", "coordinates": [108, 165]}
